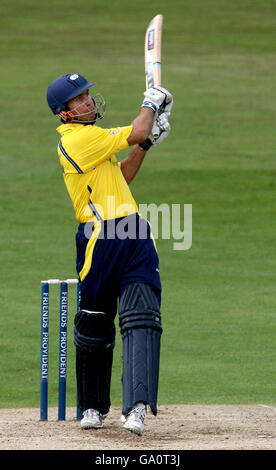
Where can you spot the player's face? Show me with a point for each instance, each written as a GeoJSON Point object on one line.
{"type": "Point", "coordinates": [82, 106]}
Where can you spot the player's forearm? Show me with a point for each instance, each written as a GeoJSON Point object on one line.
{"type": "Point", "coordinates": [131, 164]}
{"type": "Point", "coordinates": [142, 126]}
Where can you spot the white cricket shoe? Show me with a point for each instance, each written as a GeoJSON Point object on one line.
{"type": "Point", "coordinates": [134, 421]}
{"type": "Point", "coordinates": [92, 419]}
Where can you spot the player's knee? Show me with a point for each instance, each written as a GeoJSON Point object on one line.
{"type": "Point", "coordinates": [139, 308]}
{"type": "Point", "coordinates": [94, 331]}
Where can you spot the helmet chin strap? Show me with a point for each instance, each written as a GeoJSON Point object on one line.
{"type": "Point", "coordinates": [69, 116]}
{"type": "Point", "coordinates": [85, 122]}
{"type": "Point", "coordinates": [66, 116]}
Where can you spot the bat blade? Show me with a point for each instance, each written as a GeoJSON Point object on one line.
{"type": "Point", "coordinates": [153, 41]}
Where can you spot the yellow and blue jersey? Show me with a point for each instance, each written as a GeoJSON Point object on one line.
{"type": "Point", "coordinates": [101, 196]}
{"type": "Point", "coordinates": [92, 173]}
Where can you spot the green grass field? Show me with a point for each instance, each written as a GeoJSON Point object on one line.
{"type": "Point", "coordinates": [219, 300]}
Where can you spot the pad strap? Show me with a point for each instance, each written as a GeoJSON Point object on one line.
{"type": "Point", "coordinates": [139, 308]}
{"type": "Point", "coordinates": [94, 331]}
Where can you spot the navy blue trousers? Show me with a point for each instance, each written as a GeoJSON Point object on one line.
{"type": "Point", "coordinates": [120, 257]}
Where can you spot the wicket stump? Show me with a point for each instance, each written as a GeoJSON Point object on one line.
{"type": "Point", "coordinates": [44, 365]}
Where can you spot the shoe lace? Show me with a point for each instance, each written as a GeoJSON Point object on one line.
{"type": "Point", "coordinates": [139, 412]}
{"type": "Point", "coordinates": [93, 413]}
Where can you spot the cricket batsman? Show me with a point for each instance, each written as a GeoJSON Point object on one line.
{"type": "Point", "coordinates": [117, 262]}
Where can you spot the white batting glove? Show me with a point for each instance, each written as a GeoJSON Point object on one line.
{"type": "Point", "coordinates": [167, 105]}
{"type": "Point", "coordinates": [160, 129]}
{"type": "Point", "coordinates": [157, 98]}
{"type": "Point", "coordinates": [166, 109]}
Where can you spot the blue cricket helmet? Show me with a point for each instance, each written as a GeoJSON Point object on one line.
{"type": "Point", "coordinates": [64, 89]}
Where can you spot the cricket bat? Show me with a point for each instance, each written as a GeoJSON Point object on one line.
{"type": "Point", "coordinates": [153, 40]}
